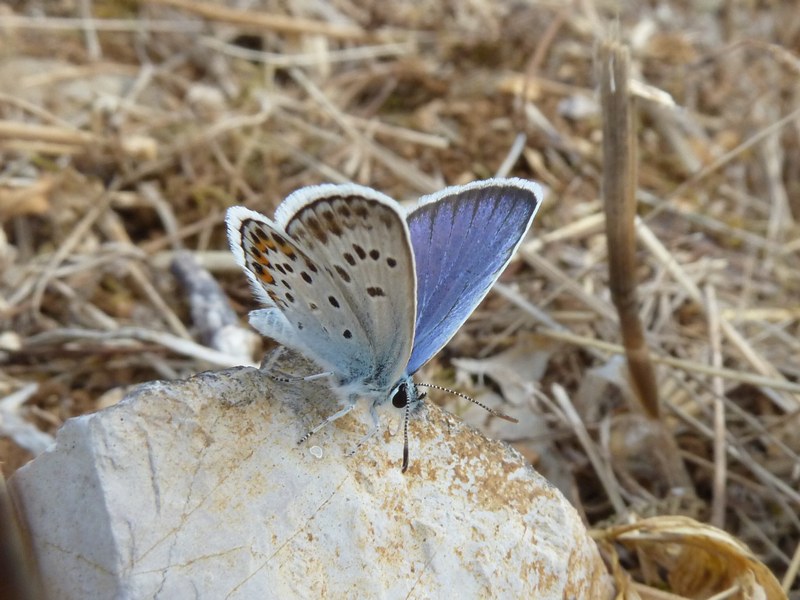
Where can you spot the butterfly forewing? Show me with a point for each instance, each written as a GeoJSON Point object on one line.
{"type": "Point", "coordinates": [463, 237]}
{"type": "Point", "coordinates": [364, 239]}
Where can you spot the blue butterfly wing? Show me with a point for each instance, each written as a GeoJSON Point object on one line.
{"type": "Point", "coordinates": [463, 237]}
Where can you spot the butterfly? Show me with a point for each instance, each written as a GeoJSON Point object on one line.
{"type": "Point", "coordinates": [370, 291]}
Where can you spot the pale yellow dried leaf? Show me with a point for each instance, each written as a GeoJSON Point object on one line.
{"type": "Point", "coordinates": [699, 560]}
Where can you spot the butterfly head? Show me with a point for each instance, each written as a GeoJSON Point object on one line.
{"type": "Point", "coordinates": [407, 395]}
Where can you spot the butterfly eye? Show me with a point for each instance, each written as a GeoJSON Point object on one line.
{"type": "Point", "coordinates": [400, 398]}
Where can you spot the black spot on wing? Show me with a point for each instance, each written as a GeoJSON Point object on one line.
{"type": "Point", "coordinates": [342, 273]}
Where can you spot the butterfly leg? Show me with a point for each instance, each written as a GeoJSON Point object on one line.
{"type": "Point", "coordinates": [286, 378]}
{"type": "Point", "coordinates": [376, 426]}
{"type": "Point", "coordinates": [272, 323]}
{"type": "Point", "coordinates": [330, 419]}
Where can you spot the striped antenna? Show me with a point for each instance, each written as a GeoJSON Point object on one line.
{"type": "Point", "coordinates": [405, 442]}
{"type": "Point", "coordinates": [491, 411]}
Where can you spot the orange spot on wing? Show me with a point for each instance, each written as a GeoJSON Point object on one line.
{"type": "Point", "coordinates": [261, 273]}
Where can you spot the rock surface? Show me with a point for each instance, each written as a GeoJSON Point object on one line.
{"type": "Point", "coordinates": [198, 489]}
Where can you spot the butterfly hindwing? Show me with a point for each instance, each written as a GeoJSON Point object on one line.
{"type": "Point", "coordinates": [295, 286]}
{"type": "Point", "coordinates": [463, 237]}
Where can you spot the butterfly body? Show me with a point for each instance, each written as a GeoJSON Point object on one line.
{"type": "Point", "coordinates": [370, 291]}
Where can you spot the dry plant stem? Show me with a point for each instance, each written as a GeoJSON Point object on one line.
{"type": "Point", "coordinates": [578, 229]}
{"type": "Point", "coordinates": [185, 231]}
{"type": "Point", "coordinates": [37, 147]}
{"type": "Point", "coordinates": [666, 121]}
{"type": "Point", "coordinates": [399, 166]}
{"type": "Point", "coordinates": [14, 130]}
{"type": "Point", "coordinates": [401, 133]}
{"type": "Point", "coordinates": [358, 53]}
{"type": "Point", "coordinates": [78, 233]}
{"type": "Point", "coordinates": [113, 228]}
{"type": "Point", "coordinates": [150, 192]}
{"type": "Point", "coordinates": [791, 573]}
{"type": "Point", "coordinates": [706, 221]}
{"type": "Point", "coordinates": [741, 480]}
{"type": "Point", "coordinates": [589, 224]}
{"type": "Point", "coordinates": [128, 102]}
{"type": "Point", "coordinates": [545, 43]}
{"type": "Point", "coordinates": [737, 151]}
{"type": "Point", "coordinates": [560, 333]}
{"type": "Point", "coordinates": [619, 199]}
{"type": "Point", "coordinates": [740, 454]}
{"type": "Point", "coordinates": [261, 21]}
{"type": "Point", "coordinates": [758, 362]}
{"type": "Point", "coordinates": [33, 109]}
{"type": "Point", "coordinates": [718, 501]}
{"type": "Point", "coordinates": [215, 261]}
{"type": "Point", "coordinates": [123, 25]}
{"type": "Point", "coordinates": [126, 334]}
{"type": "Point", "coordinates": [643, 591]}
{"type": "Point", "coordinates": [93, 48]}
{"type": "Point", "coordinates": [86, 310]}
{"type": "Point", "coordinates": [569, 284]}
{"type": "Point", "coordinates": [513, 155]}
{"type": "Point", "coordinates": [770, 545]}
{"type": "Point", "coordinates": [603, 470]}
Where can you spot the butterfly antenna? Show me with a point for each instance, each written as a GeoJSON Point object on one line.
{"type": "Point", "coordinates": [405, 441]}
{"type": "Point", "coordinates": [491, 411]}
{"type": "Point", "coordinates": [365, 439]}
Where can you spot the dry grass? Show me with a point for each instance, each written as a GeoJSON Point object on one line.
{"type": "Point", "coordinates": [127, 128]}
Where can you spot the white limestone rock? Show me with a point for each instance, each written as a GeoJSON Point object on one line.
{"type": "Point", "coordinates": [198, 489]}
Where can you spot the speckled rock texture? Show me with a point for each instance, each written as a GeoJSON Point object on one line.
{"type": "Point", "coordinates": [198, 489]}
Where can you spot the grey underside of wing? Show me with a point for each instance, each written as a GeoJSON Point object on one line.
{"type": "Point", "coordinates": [283, 272]}
{"type": "Point", "coordinates": [271, 323]}
{"type": "Point", "coordinates": [370, 292]}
